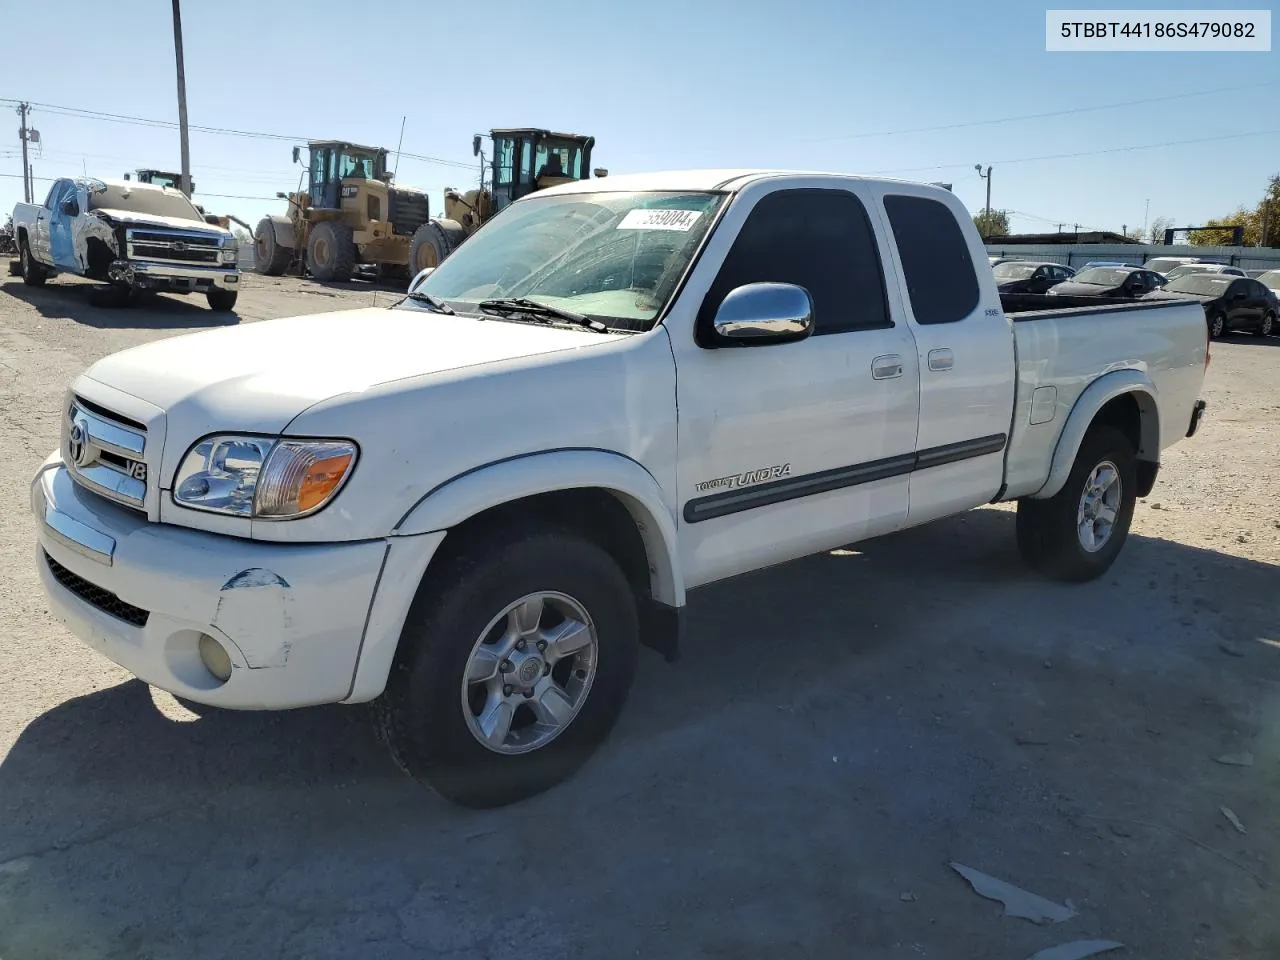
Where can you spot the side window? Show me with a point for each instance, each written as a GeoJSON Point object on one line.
{"type": "Point", "coordinates": [941, 280]}
{"type": "Point", "coordinates": [51, 201]}
{"type": "Point", "coordinates": [821, 240]}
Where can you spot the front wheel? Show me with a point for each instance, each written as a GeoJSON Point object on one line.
{"type": "Point", "coordinates": [1217, 325]}
{"type": "Point", "coordinates": [222, 300]}
{"type": "Point", "coordinates": [1267, 326]}
{"type": "Point", "coordinates": [514, 664]}
{"type": "Point", "coordinates": [1076, 534]}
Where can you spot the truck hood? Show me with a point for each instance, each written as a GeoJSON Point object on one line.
{"type": "Point", "coordinates": [135, 219]}
{"type": "Point", "coordinates": [259, 376]}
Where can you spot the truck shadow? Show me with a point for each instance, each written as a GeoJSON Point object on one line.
{"type": "Point", "coordinates": [941, 622]}
{"type": "Point", "coordinates": [72, 300]}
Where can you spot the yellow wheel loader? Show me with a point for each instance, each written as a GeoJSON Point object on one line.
{"type": "Point", "coordinates": [524, 159]}
{"type": "Point", "coordinates": [349, 214]}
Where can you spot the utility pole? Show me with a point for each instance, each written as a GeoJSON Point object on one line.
{"type": "Point", "coordinates": [182, 100]}
{"type": "Point", "coordinates": [1145, 212]}
{"type": "Point", "coordinates": [987, 177]}
{"type": "Point", "coordinates": [23, 110]}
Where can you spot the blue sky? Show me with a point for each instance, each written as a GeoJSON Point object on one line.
{"type": "Point", "coordinates": [810, 84]}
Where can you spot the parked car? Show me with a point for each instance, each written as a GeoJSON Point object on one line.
{"type": "Point", "coordinates": [1230, 303]}
{"type": "Point", "coordinates": [1163, 265]}
{"type": "Point", "coordinates": [1029, 276]}
{"type": "Point", "coordinates": [1106, 263]}
{"type": "Point", "coordinates": [131, 236]}
{"type": "Point", "coordinates": [993, 261]}
{"type": "Point", "coordinates": [413, 503]}
{"type": "Point", "coordinates": [1191, 268]}
{"type": "Point", "coordinates": [1129, 282]}
{"type": "Point", "coordinates": [1271, 280]}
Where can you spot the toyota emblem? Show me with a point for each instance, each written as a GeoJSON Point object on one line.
{"type": "Point", "coordinates": [78, 443]}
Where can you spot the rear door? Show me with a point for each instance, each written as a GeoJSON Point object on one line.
{"type": "Point", "coordinates": [964, 346]}
{"type": "Point", "coordinates": [44, 215]}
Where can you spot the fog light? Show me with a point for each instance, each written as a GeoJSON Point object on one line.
{"type": "Point", "coordinates": [215, 658]}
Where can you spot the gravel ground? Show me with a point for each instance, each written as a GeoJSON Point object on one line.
{"type": "Point", "coordinates": [839, 731]}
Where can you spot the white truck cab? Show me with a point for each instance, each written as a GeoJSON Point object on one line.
{"type": "Point", "coordinates": [473, 506]}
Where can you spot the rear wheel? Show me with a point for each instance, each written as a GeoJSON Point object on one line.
{"type": "Point", "coordinates": [513, 666]}
{"type": "Point", "coordinates": [270, 256]}
{"type": "Point", "coordinates": [331, 251]}
{"type": "Point", "coordinates": [33, 275]}
{"type": "Point", "coordinates": [1076, 534]}
{"type": "Point", "coordinates": [1217, 325]}
{"type": "Point", "coordinates": [1267, 326]}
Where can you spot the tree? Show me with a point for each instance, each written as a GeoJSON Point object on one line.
{"type": "Point", "coordinates": [995, 225]}
{"type": "Point", "coordinates": [1267, 210]}
{"type": "Point", "coordinates": [1155, 233]}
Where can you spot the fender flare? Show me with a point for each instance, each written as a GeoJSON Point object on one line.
{"type": "Point", "coordinates": [1092, 399]}
{"type": "Point", "coordinates": [504, 481]}
{"type": "Point", "coordinates": [283, 229]}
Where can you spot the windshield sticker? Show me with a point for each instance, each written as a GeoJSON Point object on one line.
{"type": "Point", "coordinates": [681, 220]}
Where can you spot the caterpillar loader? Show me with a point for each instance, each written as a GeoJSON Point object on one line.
{"type": "Point", "coordinates": [349, 214]}
{"type": "Point", "coordinates": [524, 159]}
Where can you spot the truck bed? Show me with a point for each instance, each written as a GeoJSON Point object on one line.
{"type": "Point", "coordinates": [1032, 306]}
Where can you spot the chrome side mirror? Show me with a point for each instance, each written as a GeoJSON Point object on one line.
{"type": "Point", "coordinates": [421, 275]}
{"type": "Point", "coordinates": [760, 313]}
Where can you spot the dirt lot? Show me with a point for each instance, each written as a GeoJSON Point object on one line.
{"type": "Point", "coordinates": [839, 731]}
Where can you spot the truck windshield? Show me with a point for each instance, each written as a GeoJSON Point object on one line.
{"type": "Point", "coordinates": [157, 202]}
{"type": "Point", "coordinates": [614, 257]}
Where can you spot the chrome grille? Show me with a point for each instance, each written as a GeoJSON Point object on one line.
{"type": "Point", "coordinates": [166, 246]}
{"type": "Point", "coordinates": [105, 453]}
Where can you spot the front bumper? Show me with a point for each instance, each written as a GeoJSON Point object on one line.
{"type": "Point", "coordinates": [294, 619]}
{"type": "Point", "coordinates": [150, 275]}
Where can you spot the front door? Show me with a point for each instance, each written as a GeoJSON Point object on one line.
{"type": "Point", "coordinates": [61, 246]}
{"type": "Point", "coordinates": [788, 449]}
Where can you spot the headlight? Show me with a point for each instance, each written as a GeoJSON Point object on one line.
{"type": "Point", "coordinates": [230, 253]}
{"type": "Point", "coordinates": [261, 477]}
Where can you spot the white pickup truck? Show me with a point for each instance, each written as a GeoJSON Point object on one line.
{"type": "Point", "coordinates": [473, 506]}
{"type": "Point", "coordinates": [131, 236]}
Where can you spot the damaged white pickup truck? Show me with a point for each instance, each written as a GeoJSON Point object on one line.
{"type": "Point", "coordinates": [473, 506]}
{"type": "Point", "coordinates": [131, 236]}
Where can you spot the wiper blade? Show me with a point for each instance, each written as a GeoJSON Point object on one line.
{"type": "Point", "coordinates": [439, 306]}
{"type": "Point", "coordinates": [544, 311]}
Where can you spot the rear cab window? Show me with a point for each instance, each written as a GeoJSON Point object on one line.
{"type": "Point", "coordinates": [942, 283]}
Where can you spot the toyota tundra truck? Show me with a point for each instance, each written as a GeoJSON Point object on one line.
{"type": "Point", "coordinates": [131, 236]}
{"type": "Point", "coordinates": [472, 507]}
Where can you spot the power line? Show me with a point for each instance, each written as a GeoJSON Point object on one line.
{"type": "Point", "coordinates": [1038, 116]}
{"type": "Point", "coordinates": [86, 114]}
{"type": "Point", "coordinates": [1090, 153]}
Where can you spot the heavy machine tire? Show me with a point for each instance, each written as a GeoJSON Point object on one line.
{"type": "Point", "coordinates": [432, 242]}
{"type": "Point", "coordinates": [331, 251]}
{"type": "Point", "coordinates": [33, 275]}
{"type": "Point", "coordinates": [270, 256]}
{"type": "Point", "coordinates": [223, 301]}
{"type": "Point", "coordinates": [527, 634]}
{"type": "Point", "coordinates": [1076, 534]}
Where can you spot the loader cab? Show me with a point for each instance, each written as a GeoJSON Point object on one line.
{"type": "Point", "coordinates": [161, 178]}
{"type": "Point", "coordinates": [526, 159]}
{"type": "Point", "coordinates": [332, 162]}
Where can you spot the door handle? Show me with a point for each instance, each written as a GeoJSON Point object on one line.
{"type": "Point", "coordinates": [886, 367]}
{"type": "Point", "coordinates": [941, 359]}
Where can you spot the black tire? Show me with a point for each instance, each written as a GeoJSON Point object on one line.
{"type": "Point", "coordinates": [1268, 325]}
{"type": "Point", "coordinates": [33, 275]}
{"type": "Point", "coordinates": [1048, 537]}
{"type": "Point", "coordinates": [1218, 326]}
{"type": "Point", "coordinates": [222, 301]}
{"type": "Point", "coordinates": [331, 251]}
{"type": "Point", "coordinates": [421, 714]}
{"type": "Point", "coordinates": [432, 243]}
{"type": "Point", "coordinates": [270, 256]}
